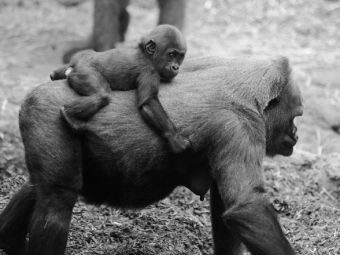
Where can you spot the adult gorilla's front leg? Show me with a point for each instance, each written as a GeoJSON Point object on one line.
{"type": "Point", "coordinates": [251, 217]}
{"type": "Point", "coordinates": [236, 167]}
{"type": "Point", "coordinates": [225, 240]}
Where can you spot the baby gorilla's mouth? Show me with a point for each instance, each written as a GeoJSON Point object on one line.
{"type": "Point", "coordinates": [167, 77]}
{"type": "Point", "coordinates": [167, 74]}
{"type": "Point", "coordinates": [291, 138]}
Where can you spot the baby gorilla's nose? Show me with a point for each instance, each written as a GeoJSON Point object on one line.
{"type": "Point", "coordinates": [174, 67]}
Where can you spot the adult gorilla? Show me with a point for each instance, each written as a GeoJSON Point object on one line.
{"type": "Point", "coordinates": [234, 110]}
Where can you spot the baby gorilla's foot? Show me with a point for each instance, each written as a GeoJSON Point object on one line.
{"type": "Point", "coordinates": [61, 73]}
{"type": "Point", "coordinates": [74, 123]}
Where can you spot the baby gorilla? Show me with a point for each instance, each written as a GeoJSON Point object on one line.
{"type": "Point", "coordinates": [94, 74]}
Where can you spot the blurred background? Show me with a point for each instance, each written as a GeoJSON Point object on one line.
{"type": "Point", "coordinates": [305, 188]}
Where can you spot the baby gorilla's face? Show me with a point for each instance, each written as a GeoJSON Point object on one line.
{"type": "Point", "coordinates": [169, 63]}
{"type": "Point", "coordinates": [167, 47]}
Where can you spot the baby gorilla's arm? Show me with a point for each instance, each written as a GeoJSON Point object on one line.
{"type": "Point", "coordinates": [154, 114]}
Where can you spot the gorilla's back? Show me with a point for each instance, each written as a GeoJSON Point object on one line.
{"type": "Point", "coordinates": [118, 145]}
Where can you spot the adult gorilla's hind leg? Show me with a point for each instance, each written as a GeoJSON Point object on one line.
{"type": "Point", "coordinates": [225, 241]}
{"type": "Point", "coordinates": [14, 221]}
{"type": "Point", "coordinates": [50, 220]}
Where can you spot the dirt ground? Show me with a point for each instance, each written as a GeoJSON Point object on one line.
{"type": "Point", "coordinates": [33, 34]}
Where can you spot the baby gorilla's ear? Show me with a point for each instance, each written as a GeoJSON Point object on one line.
{"type": "Point", "coordinates": [150, 47]}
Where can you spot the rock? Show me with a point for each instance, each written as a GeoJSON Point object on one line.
{"type": "Point", "coordinates": [329, 173]}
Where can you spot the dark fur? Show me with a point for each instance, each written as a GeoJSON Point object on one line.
{"type": "Point", "coordinates": [225, 105]}
{"type": "Point", "coordinates": [94, 74]}
{"type": "Point", "coordinates": [111, 20]}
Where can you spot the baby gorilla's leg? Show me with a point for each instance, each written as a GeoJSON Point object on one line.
{"type": "Point", "coordinates": [82, 109]}
{"type": "Point", "coordinates": [61, 73]}
{"type": "Point", "coordinates": [77, 61]}
{"type": "Point", "coordinates": [94, 95]}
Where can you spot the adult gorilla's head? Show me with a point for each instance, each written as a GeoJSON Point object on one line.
{"type": "Point", "coordinates": [279, 117]}
{"type": "Point", "coordinates": [280, 128]}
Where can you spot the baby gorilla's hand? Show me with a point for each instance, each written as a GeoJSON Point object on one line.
{"type": "Point", "coordinates": [179, 144]}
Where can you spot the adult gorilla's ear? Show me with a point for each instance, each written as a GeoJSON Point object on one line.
{"type": "Point", "coordinates": [148, 46]}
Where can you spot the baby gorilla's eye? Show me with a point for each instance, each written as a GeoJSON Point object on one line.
{"type": "Point", "coordinates": [171, 54]}
{"type": "Point", "coordinates": [181, 56]}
